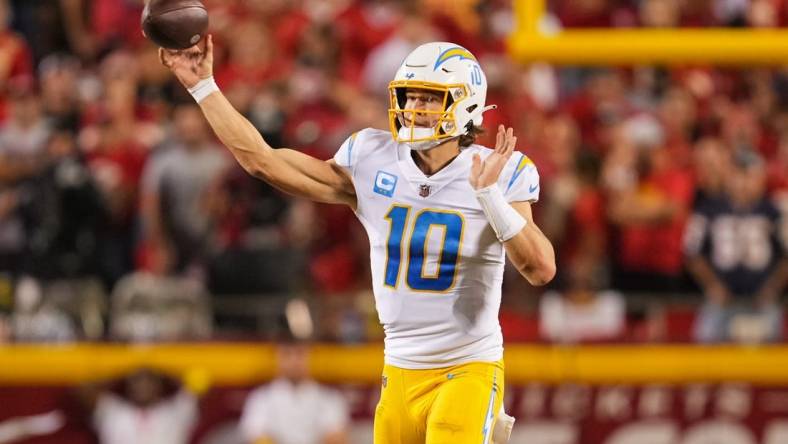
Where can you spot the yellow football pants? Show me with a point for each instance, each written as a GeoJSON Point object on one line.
{"type": "Point", "coordinates": [452, 405]}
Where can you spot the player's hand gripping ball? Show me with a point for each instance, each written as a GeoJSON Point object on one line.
{"type": "Point", "coordinates": [175, 24]}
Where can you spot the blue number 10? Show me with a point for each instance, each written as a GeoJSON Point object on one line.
{"type": "Point", "coordinates": [476, 75]}
{"type": "Point", "coordinates": [443, 278]}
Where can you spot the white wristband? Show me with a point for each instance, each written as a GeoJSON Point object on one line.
{"type": "Point", "coordinates": [505, 220]}
{"type": "Point", "coordinates": [203, 89]}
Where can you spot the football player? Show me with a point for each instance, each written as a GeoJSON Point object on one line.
{"type": "Point", "coordinates": [441, 213]}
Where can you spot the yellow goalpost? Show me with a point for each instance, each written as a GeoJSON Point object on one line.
{"type": "Point", "coordinates": [595, 46]}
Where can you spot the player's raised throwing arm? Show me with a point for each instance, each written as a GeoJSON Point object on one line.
{"type": "Point", "coordinates": [526, 246]}
{"type": "Point", "coordinates": [288, 170]}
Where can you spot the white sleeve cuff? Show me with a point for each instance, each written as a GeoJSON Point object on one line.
{"type": "Point", "coordinates": [203, 89]}
{"type": "Point", "coordinates": [505, 220]}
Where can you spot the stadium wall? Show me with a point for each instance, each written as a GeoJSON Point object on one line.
{"type": "Point", "coordinates": [601, 394]}
{"type": "Point", "coordinates": [244, 364]}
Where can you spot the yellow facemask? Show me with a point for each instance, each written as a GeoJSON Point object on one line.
{"type": "Point", "coordinates": [402, 121]}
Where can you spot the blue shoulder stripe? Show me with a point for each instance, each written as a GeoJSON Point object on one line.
{"type": "Point", "coordinates": [524, 162]}
{"type": "Point", "coordinates": [352, 141]}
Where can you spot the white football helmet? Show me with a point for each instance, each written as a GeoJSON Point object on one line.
{"type": "Point", "coordinates": [448, 69]}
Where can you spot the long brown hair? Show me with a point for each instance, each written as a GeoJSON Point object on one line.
{"type": "Point", "coordinates": [469, 138]}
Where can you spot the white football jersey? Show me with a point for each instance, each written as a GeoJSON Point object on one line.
{"type": "Point", "coordinates": [437, 266]}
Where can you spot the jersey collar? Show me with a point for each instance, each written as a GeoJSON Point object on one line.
{"type": "Point", "coordinates": [427, 186]}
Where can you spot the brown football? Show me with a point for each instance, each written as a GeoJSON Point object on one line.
{"type": "Point", "coordinates": [175, 24]}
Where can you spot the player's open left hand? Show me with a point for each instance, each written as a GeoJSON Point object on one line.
{"type": "Point", "coordinates": [190, 65]}
{"type": "Point", "coordinates": [485, 173]}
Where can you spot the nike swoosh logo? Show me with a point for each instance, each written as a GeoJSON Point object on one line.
{"type": "Point", "coordinates": [533, 189]}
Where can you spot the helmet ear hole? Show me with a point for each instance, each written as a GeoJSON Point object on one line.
{"type": "Point", "coordinates": [449, 101]}
{"type": "Point", "coordinates": [402, 97]}
{"type": "Point", "coordinates": [471, 108]}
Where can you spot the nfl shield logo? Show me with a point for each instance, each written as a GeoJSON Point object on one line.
{"type": "Point", "coordinates": [424, 190]}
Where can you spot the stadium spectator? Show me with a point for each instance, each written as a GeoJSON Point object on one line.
{"type": "Point", "coordinates": [150, 308]}
{"type": "Point", "coordinates": [54, 26]}
{"type": "Point", "coordinates": [668, 13]}
{"type": "Point", "coordinates": [738, 254]}
{"type": "Point", "coordinates": [383, 60]}
{"type": "Point", "coordinates": [311, 72]}
{"type": "Point", "coordinates": [65, 214]}
{"type": "Point", "coordinates": [38, 318]}
{"type": "Point", "coordinates": [144, 407]}
{"type": "Point", "coordinates": [23, 136]}
{"type": "Point", "coordinates": [23, 428]}
{"type": "Point", "coordinates": [113, 23]}
{"type": "Point", "coordinates": [253, 58]}
{"type": "Point", "coordinates": [598, 106]}
{"type": "Point", "coordinates": [156, 95]}
{"type": "Point", "coordinates": [259, 228]}
{"type": "Point", "coordinates": [649, 198]}
{"type": "Point", "coordinates": [293, 408]}
{"type": "Point", "coordinates": [15, 59]}
{"type": "Point", "coordinates": [660, 13]}
{"type": "Point", "coordinates": [58, 310]}
{"type": "Point", "coordinates": [574, 210]}
{"type": "Point", "coordinates": [712, 162]}
{"type": "Point", "coordinates": [778, 170]}
{"type": "Point", "coordinates": [178, 193]}
{"type": "Point", "coordinates": [593, 13]}
{"type": "Point", "coordinates": [317, 124]}
{"type": "Point", "coordinates": [583, 312]}
{"type": "Point", "coordinates": [730, 12]}
{"type": "Point", "coordinates": [763, 14]}
{"type": "Point", "coordinates": [59, 75]}
{"type": "Point", "coordinates": [677, 113]}
{"type": "Point", "coordinates": [23, 143]}
{"type": "Point", "coordinates": [116, 144]}
{"type": "Point", "coordinates": [742, 130]}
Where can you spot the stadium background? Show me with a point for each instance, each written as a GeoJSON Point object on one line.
{"type": "Point", "coordinates": [129, 240]}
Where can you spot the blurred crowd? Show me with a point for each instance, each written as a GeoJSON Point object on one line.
{"type": "Point", "coordinates": [670, 13]}
{"type": "Point", "coordinates": [117, 204]}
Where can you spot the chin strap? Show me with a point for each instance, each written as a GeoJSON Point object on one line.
{"type": "Point", "coordinates": [429, 144]}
